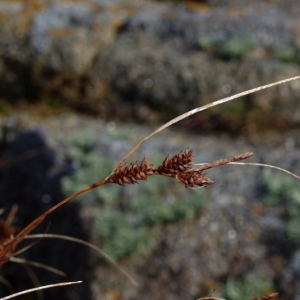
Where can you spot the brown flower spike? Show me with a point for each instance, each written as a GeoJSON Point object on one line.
{"type": "Point", "coordinates": [131, 173]}
{"type": "Point", "coordinates": [178, 163]}
{"type": "Point", "coordinates": [178, 166]}
{"type": "Point", "coordinates": [193, 178]}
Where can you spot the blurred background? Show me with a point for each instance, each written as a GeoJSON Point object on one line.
{"type": "Point", "coordinates": [81, 82]}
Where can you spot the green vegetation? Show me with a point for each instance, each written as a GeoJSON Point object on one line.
{"type": "Point", "coordinates": [284, 191]}
{"type": "Point", "coordinates": [237, 109]}
{"type": "Point", "coordinates": [236, 48]}
{"type": "Point", "coordinates": [281, 189]}
{"type": "Point", "coordinates": [286, 54]}
{"type": "Point", "coordinates": [249, 287]}
{"type": "Point", "coordinates": [5, 108]}
{"type": "Point", "coordinates": [126, 218]}
{"type": "Point", "coordinates": [120, 237]}
{"type": "Point", "coordinates": [206, 42]}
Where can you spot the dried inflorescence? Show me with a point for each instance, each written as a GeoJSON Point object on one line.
{"type": "Point", "coordinates": [193, 178]}
{"type": "Point", "coordinates": [131, 173]}
{"type": "Point", "coordinates": [178, 166]}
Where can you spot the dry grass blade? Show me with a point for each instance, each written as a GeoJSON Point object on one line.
{"type": "Point", "coordinates": [220, 162]}
{"type": "Point", "coordinates": [34, 279]}
{"type": "Point", "coordinates": [24, 156]}
{"type": "Point", "coordinates": [266, 297]}
{"type": "Point", "coordinates": [101, 252]}
{"type": "Point", "coordinates": [12, 214]}
{"type": "Point", "coordinates": [10, 245]}
{"type": "Point", "coordinates": [7, 284]}
{"type": "Point", "coordinates": [6, 230]}
{"type": "Point", "coordinates": [24, 249]}
{"type": "Point", "coordinates": [196, 110]}
{"type": "Point", "coordinates": [37, 265]}
{"type": "Point", "coordinates": [267, 166]}
{"type": "Point", "coordinates": [40, 288]}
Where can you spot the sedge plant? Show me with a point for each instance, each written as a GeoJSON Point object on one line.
{"type": "Point", "coordinates": [179, 167]}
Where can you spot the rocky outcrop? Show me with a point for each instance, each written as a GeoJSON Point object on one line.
{"type": "Point", "coordinates": [248, 226]}
{"type": "Point", "coordinates": [147, 60]}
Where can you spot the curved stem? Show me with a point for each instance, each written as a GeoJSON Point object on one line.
{"type": "Point", "coordinates": [37, 264]}
{"type": "Point", "coordinates": [39, 288]}
{"type": "Point", "coordinates": [198, 109]}
{"type": "Point", "coordinates": [265, 165]}
{"type": "Point", "coordinates": [72, 239]}
{"type": "Point", "coordinates": [39, 219]}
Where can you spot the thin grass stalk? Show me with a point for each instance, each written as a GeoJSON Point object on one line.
{"type": "Point", "coordinates": [204, 107]}
{"type": "Point", "coordinates": [11, 244]}
{"type": "Point", "coordinates": [37, 265]}
{"type": "Point", "coordinates": [39, 288]}
{"type": "Point", "coordinates": [90, 245]}
{"type": "Point", "coordinates": [34, 279]}
{"type": "Point", "coordinates": [266, 166]}
{"type": "Point", "coordinates": [39, 219]}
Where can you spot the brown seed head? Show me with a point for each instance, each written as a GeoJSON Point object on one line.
{"type": "Point", "coordinates": [131, 173]}
{"type": "Point", "coordinates": [178, 163]}
{"type": "Point", "coordinates": [190, 179]}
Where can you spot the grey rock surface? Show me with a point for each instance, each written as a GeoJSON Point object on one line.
{"type": "Point", "coordinates": [236, 233]}
{"type": "Point", "coordinates": [148, 60]}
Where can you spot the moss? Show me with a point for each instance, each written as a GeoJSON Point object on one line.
{"type": "Point", "coordinates": [247, 288]}
{"type": "Point", "coordinates": [83, 141]}
{"type": "Point", "coordinates": [282, 190]}
{"type": "Point", "coordinates": [286, 54]}
{"type": "Point", "coordinates": [92, 167]}
{"type": "Point", "coordinates": [293, 229]}
{"type": "Point", "coordinates": [120, 238]}
{"type": "Point", "coordinates": [157, 203]}
{"type": "Point", "coordinates": [238, 108]}
{"type": "Point", "coordinates": [121, 134]}
{"type": "Point", "coordinates": [5, 108]}
{"type": "Point", "coordinates": [206, 42]}
{"type": "Point", "coordinates": [279, 188]}
{"type": "Point", "coordinates": [236, 48]}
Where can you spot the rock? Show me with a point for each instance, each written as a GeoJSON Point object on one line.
{"type": "Point", "coordinates": [151, 61]}
{"type": "Point", "coordinates": [237, 232]}
{"type": "Point", "coordinates": [45, 44]}
{"type": "Point", "coordinates": [155, 62]}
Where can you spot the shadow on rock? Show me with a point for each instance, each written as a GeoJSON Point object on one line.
{"type": "Point", "coordinates": [28, 179]}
